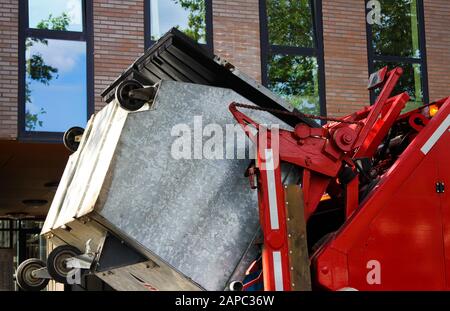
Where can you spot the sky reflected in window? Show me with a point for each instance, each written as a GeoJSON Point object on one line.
{"type": "Point", "coordinates": [187, 16]}
{"type": "Point", "coordinates": [39, 10]}
{"type": "Point", "coordinates": [55, 91]}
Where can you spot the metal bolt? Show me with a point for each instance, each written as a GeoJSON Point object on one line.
{"type": "Point", "coordinates": [308, 161]}
{"type": "Point", "coordinates": [292, 268]}
{"type": "Point", "coordinates": [346, 139]}
{"type": "Point", "coordinates": [287, 203]}
{"type": "Point", "coordinates": [288, 219]}
{"type": "Point", "coordinates": [293, 284]}
{"type": "Point", "coordinates": [289, 235]}
{"type": "Point", "coordinates": [290, 252]}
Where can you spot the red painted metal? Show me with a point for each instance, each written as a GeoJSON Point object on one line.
{"type": "Point", "coordinates": [398, 236]}
{"type": "Point", "coordinates": [392, 79]}
{"type": "Point", "coordinates": [390, 112]}
{"type": "Point", "coordinates": [272, 215]}
{"type": "Point", "coordinates": [403, 224]}
{"type": "Point", "coordinates": [323, 152]}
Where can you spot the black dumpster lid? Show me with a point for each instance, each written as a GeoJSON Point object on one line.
{"type": "Point", "coordinates": [177, 57]}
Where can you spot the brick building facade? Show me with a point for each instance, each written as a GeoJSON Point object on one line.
{"type": "Point", "coordinates": [117, 32]}
{"type": "Point", "coordinates": [9, 63]}
{"type": "Point", "coordinates": [118, 38]}
{"type": "Point", "coordinates": [335, 39]}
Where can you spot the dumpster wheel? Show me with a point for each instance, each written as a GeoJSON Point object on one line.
{"type": "Point", "coordinates": [25, 278]}
{"type": "Point", "coordinates": [56, 262]}
{"type": "Point", "coordinates": [124, 98]}
{"type": "Point", "coordinates": [72, 138]}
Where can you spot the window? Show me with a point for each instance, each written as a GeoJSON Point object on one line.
{"type": "Point", "coordinates": [55, 90]}
{"type": "Point", "coordinates": [292, 52]}
{"type": "Point", "coordinates": [23, 236]}
{"type": "Point", "coordinates": [193, 17]}
{"type": "Point", "coordinates": [5, 234]}
{"type": "Point", "coordinates": [399, 41]}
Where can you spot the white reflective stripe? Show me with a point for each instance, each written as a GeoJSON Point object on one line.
{"type": "Point", "coordinates": [436, 135]}
{"type": "Point", "coordinates": [252, 129]}
{"type": "Point", "coordinates": [273, 206]}
{"type": "Point", "coordinates": [277, 271]}
{"type": "Point", "coordinates": [347, 289]}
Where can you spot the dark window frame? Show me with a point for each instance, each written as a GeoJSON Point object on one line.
{"type": "Point", "coordinates": [317, 51]}
{"type": "Point", "coordinates": [20, 231]}
{"type": "Point", "coordinates": [422, 61]}
{"type": "Point", "coordinates": [10, 231]}
{"type": "Point", "coordinates": [208, 20]}
{"type": "Point", "coordinates": [85, 36]}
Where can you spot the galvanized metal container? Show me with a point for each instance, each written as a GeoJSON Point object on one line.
{"type": "Point", "coordinates": [193, 219]}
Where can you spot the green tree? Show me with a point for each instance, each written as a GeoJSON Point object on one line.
{"type": "Point", "coordinates": [37, 69]}
{"type": "Point", "coordinates": [55, 22]}
{"type": "Point", "coordinates": [290, 23]}
{"type": "Point", "coordinates": [196, 19]}
{"type": "Point", "coordinates": [293, 77]}
{"type": "Point", "coordinates": [398, 35]}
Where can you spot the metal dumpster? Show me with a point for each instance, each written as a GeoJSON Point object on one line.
{"type": "Point", "coordinates": [145, 219]}
{"type": "Point", "coordinates": [190, 221]}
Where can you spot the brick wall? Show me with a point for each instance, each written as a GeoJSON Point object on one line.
{"type": "Point", "coordinates": [236, 34]}
{"type": "Point", "coordinates": [9, 28]}
{"type": "Point", "coordinates": [437, 30]}
{"type": "Point", "coordinates": [345, 49]}
{"type": "Point", "coordinates": [118, 40]}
